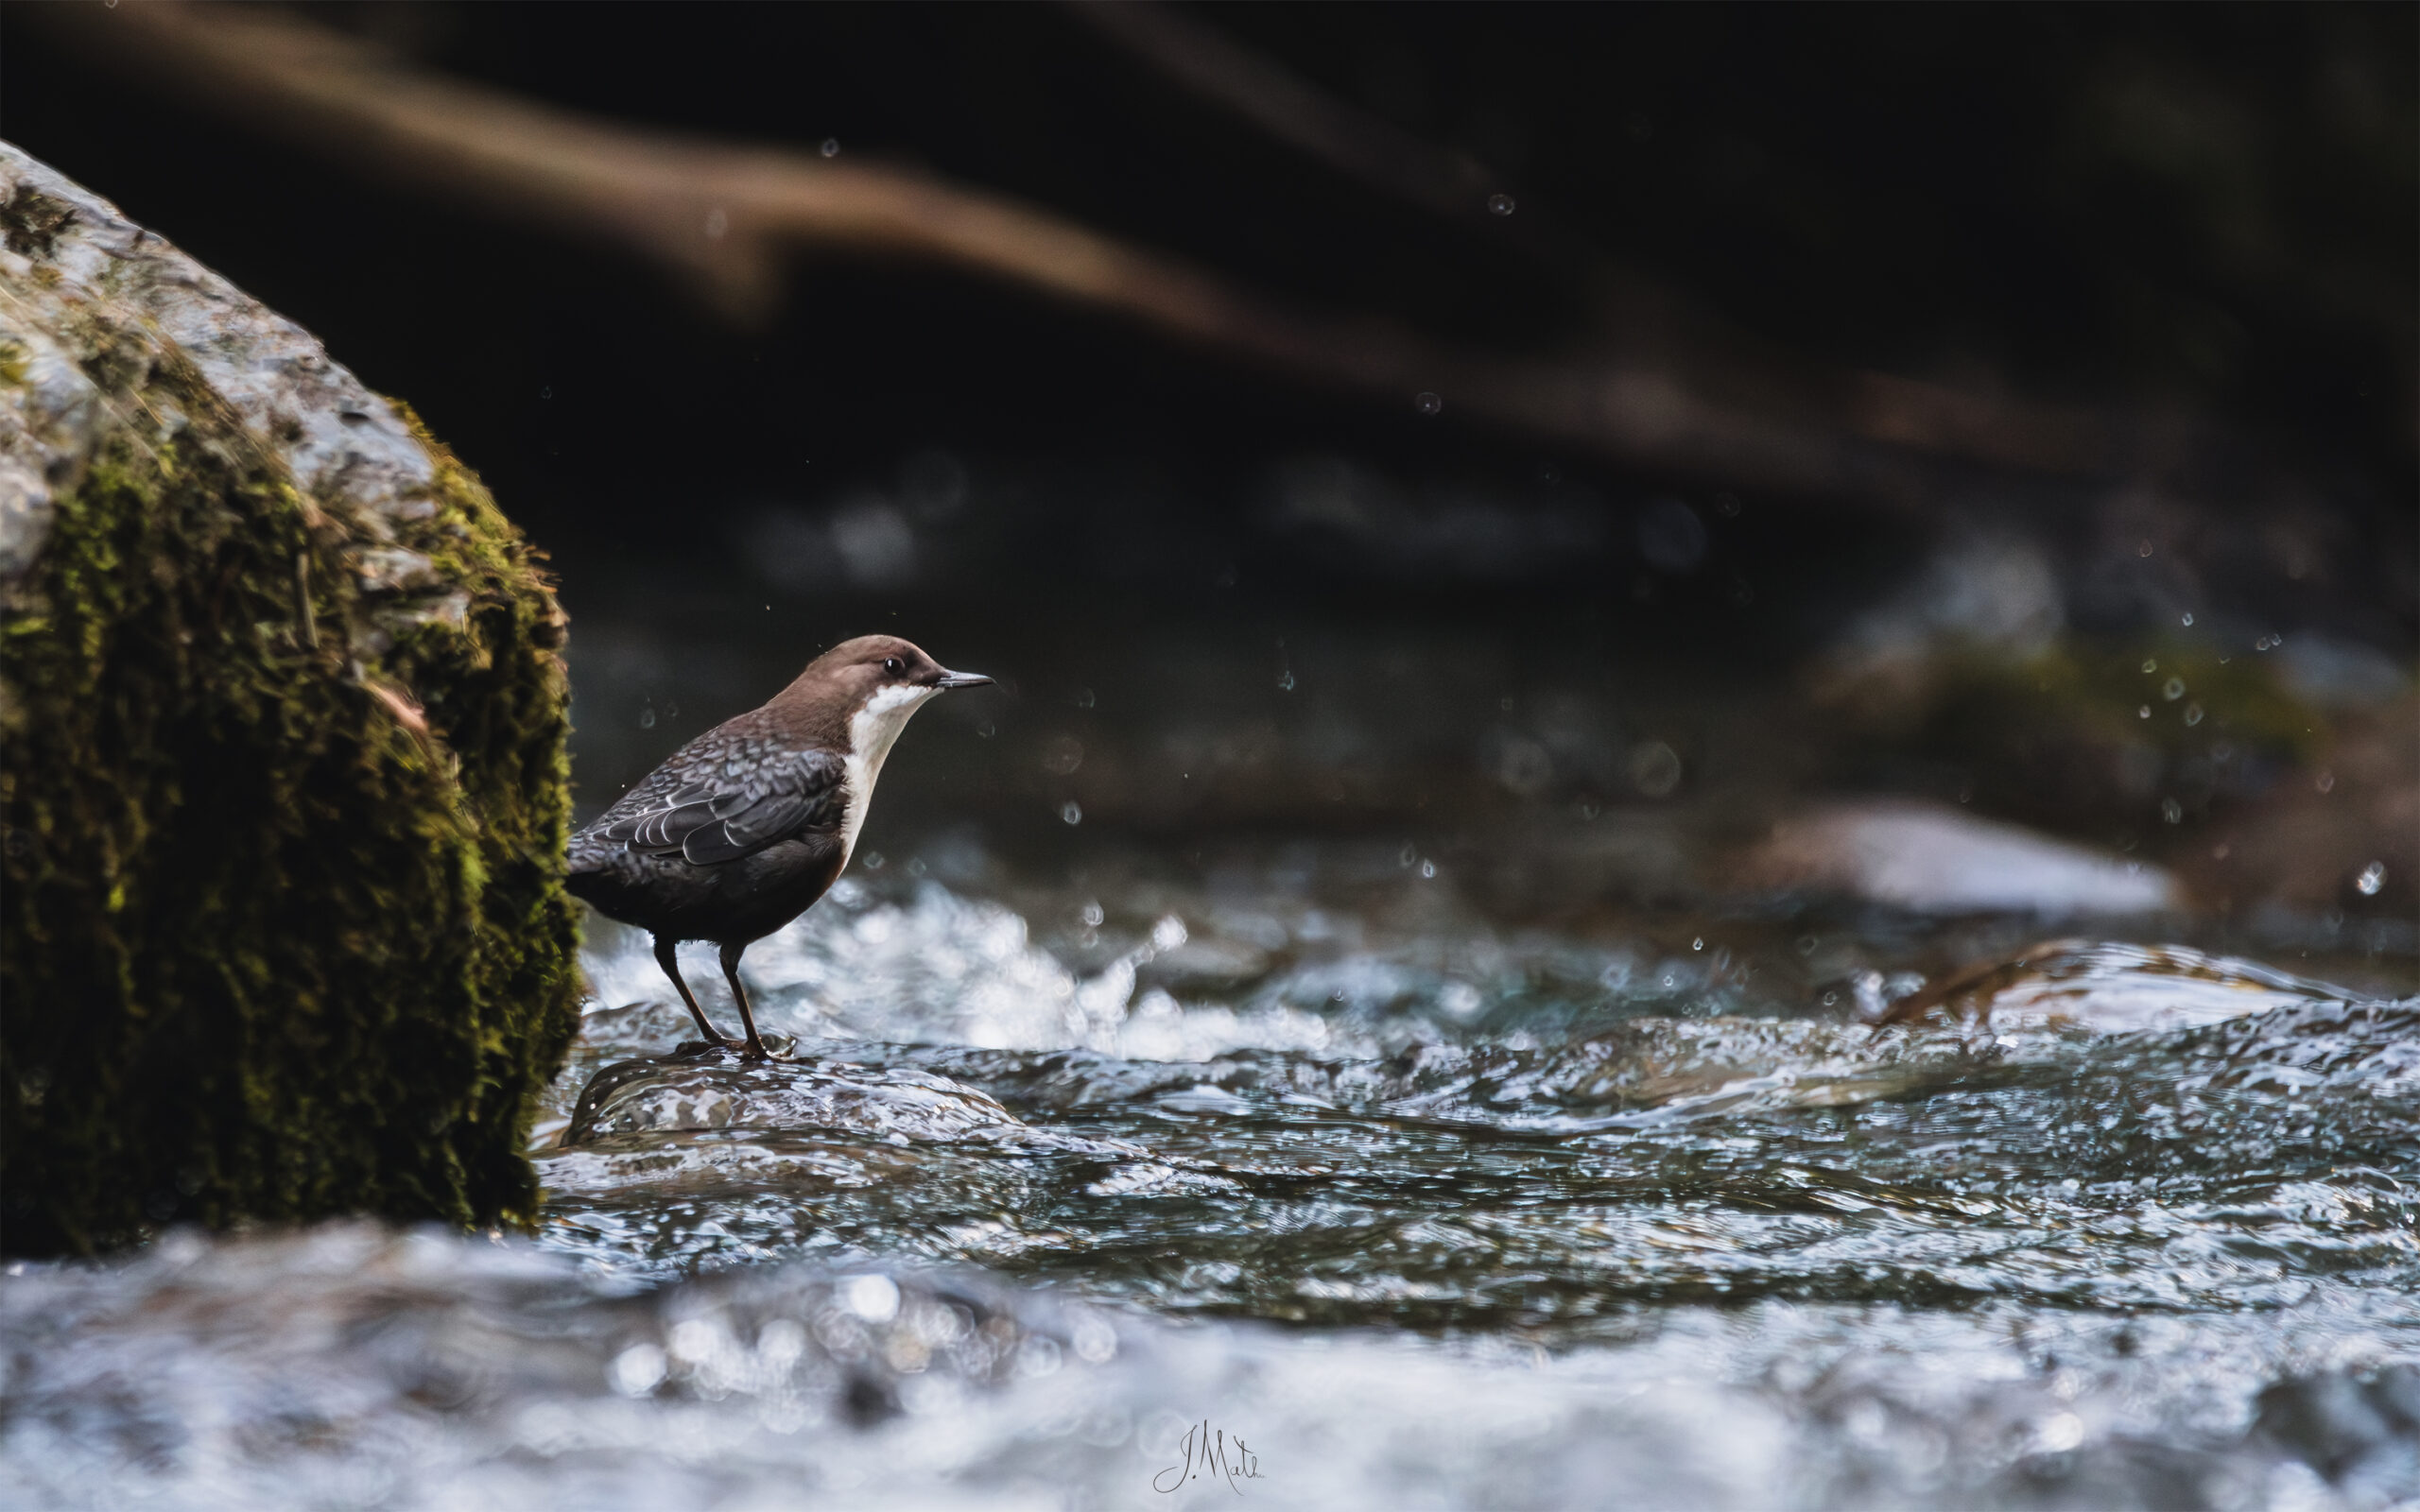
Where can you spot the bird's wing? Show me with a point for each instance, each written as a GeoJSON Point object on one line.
{"type": "Point", "coordinates": [733, 807]}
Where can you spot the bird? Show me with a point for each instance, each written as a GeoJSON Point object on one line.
{"type": "Point", "coordinates": [741, 830]}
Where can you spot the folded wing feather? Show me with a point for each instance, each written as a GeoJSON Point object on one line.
{"type": "Point", "coordinates": [738, 812]}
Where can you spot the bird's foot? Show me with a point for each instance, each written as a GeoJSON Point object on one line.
{"type": "Point", "coordinates": [769, 1047]}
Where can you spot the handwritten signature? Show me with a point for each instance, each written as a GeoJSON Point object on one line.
{"type": "Point", "coordinates": [1210, 1451]}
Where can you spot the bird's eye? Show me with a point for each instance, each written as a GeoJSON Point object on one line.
{"type": "Point", "coordinates": [894, 665]}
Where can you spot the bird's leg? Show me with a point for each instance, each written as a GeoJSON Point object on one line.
{"type": "Point", "coordinates": [755, 1050]}
{"type": "Point", "coordinates": [672, 969]}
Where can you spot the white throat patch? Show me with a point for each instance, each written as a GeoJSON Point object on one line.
{"type": "Point", "coordinates": [871, 731]}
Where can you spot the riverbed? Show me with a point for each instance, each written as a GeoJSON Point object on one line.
{"type": "Point", "coordinates": [1293, 1172]}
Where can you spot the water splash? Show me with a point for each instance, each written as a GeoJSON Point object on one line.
{"type": "Point", "coordinates": [1645, 1210]}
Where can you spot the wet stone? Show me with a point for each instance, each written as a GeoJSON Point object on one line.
{"type": "Point", "coordinates": [709, 1089]}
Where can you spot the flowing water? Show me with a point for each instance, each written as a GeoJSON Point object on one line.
{"type": "Point", "coordinates": [1298, 1178]}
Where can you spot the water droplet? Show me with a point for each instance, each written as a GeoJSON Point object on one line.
{"type": "Point", "coordinates": [2192, 715]}
{"type": "Point", "coordinates": [2325, 781]}
{"type": "Point", "coordinates": [1429, 404]}
{"type": "Point", "coordinates": [2174, 690]}
{"type": "Point", "coordinates": [2060, 1432]}
{"type": "Point", "coordinates": [1697, 944]}
{"type": "Point", "coordinates": [2373, 877]}
{"type": "Point", "coordinates": [1671, 536]}
{"type": "Point", "coordinates": [717, 224]}
{"type": "Point", "coordinates": [640, 1369]}
{"type": "Point", "coordinates": [1093, 916]}
{"type": "Point", "coordinates": [2171, 811]}
{"type": "Point", "coordinates": [1083, 698]}
{"type": "Point", "coordinates": [647, 718]}
{"type": "Point", "coordinates": [1499, 204]}
{"type": "Point", "coordinates": [1411, 853]}
{"type": "Point", "coordinates": [547, 392]}
{"type": "Point", "coordinates": [1727, 505]}
{"type": "Point", "coordinates": [2149, 664]}
{"type": "Point", "coordinates": [875, 1299]}
{"type": "Point", "coordinates": [1654, 768]}
{"type": "Point", "coordinates": [831, 147]}
{"type": "Point", "coordinates": [872, 861]}
{"type": "Point", "coordinates": [2262, 644]}
{"type": "Point", "coordinates": [1071, 812]}
{"type": "Point", "coordinates": [915, 866]}
{"type": "Point", "coordinates": [2143, 550]}
{"type": "Point", "coordinates": [2189, 619]}
{"type": "Point", "coordinates": [1285, 681]}
{"type": "Point", "coordinates": [1062, 755]}
{"type": "Point", "coordinates": [1505, 703]}
{"type": "Point", "coordinates": [1806, 945]}
{"type": "Point", "coordinates": [2147, 711]}
{"type": "Point", "coordinates": [1428, 868]}
{"type": "Point", "coordinates": [986, 730]}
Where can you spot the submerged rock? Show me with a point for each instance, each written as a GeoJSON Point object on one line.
{"type": "Point", "coordinates": [2110, 988]}
{"type": "Point", "coordinates": [282, 723]}
{"type": "Point", "coordinates": [713, 1089]}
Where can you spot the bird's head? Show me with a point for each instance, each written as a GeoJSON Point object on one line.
{"type": "Point", "coordinates": [869, 687]}
{"type": "Point", "coordinates": [872, 664]}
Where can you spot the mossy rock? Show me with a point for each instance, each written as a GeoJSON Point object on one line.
{"type": "Point", "coordinates": [281, 725]}
{"type": "Point", "coordinates": [2107, 737]}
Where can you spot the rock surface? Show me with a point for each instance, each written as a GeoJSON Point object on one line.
{"type": "Point", "coordinates": [1935, 860]}
{"type": "Point", "coordinates": [282, 718]}
{"type": "Point", "coordinates": [714, 1089]}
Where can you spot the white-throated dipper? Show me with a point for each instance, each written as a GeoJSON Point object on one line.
{"type": "Point", "coordinates": [744, 828]}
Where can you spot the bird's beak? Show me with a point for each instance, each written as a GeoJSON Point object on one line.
{"type": "Point", "coordinates": [962, 679]}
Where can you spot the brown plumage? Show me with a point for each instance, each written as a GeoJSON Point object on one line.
{"type": "Point", "coordinates": [741, 830]}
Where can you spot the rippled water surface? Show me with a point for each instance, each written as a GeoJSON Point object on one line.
{"type": "Point", "coordinates": [1386, 1201]}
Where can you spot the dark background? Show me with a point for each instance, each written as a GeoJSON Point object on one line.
{"type": "Point", "coordinates": [2197, 216]}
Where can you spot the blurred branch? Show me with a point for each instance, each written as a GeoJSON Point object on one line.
{"type": "Point", "coordinates": [731, 216]}
{"type": "Point", "coordinates": [1350, 141]}
{"type": "Point", "coordinates": [1373, 151]}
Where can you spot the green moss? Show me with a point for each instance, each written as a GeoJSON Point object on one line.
{"type": "Point", "coordinates": [2102, 737]}
{"type": "Point", "coordinates": [30, 221]}
{"type": "Point", "coordinates": [273, 944]}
